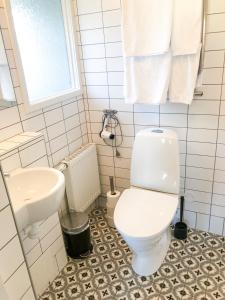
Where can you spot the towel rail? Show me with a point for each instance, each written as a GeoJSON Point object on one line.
{"type": "Point", "coordinates": [202, 55]}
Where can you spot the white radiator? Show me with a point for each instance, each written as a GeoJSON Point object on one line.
{"type": "Point", "coordinates": [82, 178]}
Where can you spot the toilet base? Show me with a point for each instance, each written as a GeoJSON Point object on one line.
{"type": "Point", "coordinates": [146, 263]}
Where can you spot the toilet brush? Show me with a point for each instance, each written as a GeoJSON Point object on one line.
{"type": "Point", "coordinates": [180, 230]}
{"type": "Point", "coordinates": [112, 187]}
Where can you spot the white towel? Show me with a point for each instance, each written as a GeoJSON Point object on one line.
{"type": "Point", "coordinates": [187, 26]}
{"type": "Point", "coordinates": [147, 79]}
{"type": "Point", "coordinates": [184, 73]}
{"type": "Point", "coordinates": [146, 26]}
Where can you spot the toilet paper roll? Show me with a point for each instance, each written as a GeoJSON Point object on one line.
{"type": "Point", "coordinates": [112, 199]}
{"type": "Point", "coordinates": [110, 205]}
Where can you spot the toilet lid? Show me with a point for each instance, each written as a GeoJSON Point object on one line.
{"type": "Point", "coordinates": [143, 213]}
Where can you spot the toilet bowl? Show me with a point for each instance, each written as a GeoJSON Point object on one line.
{"type": "Point", "coordinates": [143, 217]}
{"type": "Point", "coordinates": [144, 212]}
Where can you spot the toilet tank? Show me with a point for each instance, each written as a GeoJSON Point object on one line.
{"type": "Point", "coordinates": [155, 161]}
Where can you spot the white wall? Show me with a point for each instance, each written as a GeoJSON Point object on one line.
{"type": "Point", "coordinates": [64, 130]}
{"type": "Point", "coordinates": [63, 124]}
{"type": "Point", "coordinates": [200, 126]}
{"type": "Point", "coordinates": [48, 250]}
{"type": "Point", "coordinates": [13, 270]}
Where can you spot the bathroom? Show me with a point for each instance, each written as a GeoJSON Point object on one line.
{"type": "Point", "coordinates": [34, 264]}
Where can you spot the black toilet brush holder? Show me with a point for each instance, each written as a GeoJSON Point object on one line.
{"type": "Point", "coordinates": [180, 230]}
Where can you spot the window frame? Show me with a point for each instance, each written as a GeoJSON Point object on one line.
{"type": "Point", "coordinates": [73, 57]}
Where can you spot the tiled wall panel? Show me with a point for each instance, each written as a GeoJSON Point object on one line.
{"type": "Point", "coordinates": [47, 251]}
{"type": "Point", "coordinates": [64, 130]}
{"type": "Point", "coordinates": [200, 126]}
{"type": "Point", "coordinates": [13, 271]}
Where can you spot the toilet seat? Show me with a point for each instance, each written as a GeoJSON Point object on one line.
{"type": "Point", "coordinates": [143, 213]}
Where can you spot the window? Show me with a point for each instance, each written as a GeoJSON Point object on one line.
{"type": "Point", "coordinates": [46, 50]}
{"type": "Point", "coordinates": [7, 97]}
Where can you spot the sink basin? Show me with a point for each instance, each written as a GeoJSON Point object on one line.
{"type": "Point", "coordinates": [36, 194]}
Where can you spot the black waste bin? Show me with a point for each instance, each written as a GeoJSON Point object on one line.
{"type": "Point", "coordinates": [76, 234]}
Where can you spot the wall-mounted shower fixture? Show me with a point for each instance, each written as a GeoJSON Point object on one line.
{"type": "Point", "coordinates": [110, 124]}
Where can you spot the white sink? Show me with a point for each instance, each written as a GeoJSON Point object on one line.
{"type": "Point", "coordinates": [35, 193]}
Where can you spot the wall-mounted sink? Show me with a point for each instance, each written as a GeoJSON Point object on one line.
{"type": "Point", "coordinates": [36, 194]}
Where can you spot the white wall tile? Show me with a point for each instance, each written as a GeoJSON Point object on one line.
{"type": "Point", "coordinates": [93, 51]}
{"type": "Point", "coordinates": [200, 107]}
{"type": "Point", "coordinates": [97, 91]}
{"type": "Point", "coordinates": [114, 64]}
{"type": "Point", "coordinates": [9, 116]}
{"type": "Point", "coordinates": [92, 36]}
{"type": "Point", "coordinates": [4, 197]}
{"type": "Point", "coordinates": [112, 18]}
{"type": "Point", "coordinates": [40, 278]}
{"type": "Point", "coordinates": [173, 120]}
{"type": "Point", "coordinates": [110, 4]}
{"type": "Point", "coordinates": [18, 284]}
{"type": "Point", "coordinates": [199, 185]}
{"type": "Point", "coordinates": [116, 91]}
{"type": "Point", "coordinates": [10, 131]}
{"type": "Point", "coordinates": [29, 295]}
{"type": "Point", "coordinates": [218, 211]}
{"type": "Point", "coordinates": [34, 124]}
{"type": "Point", "coordinates": [58, 143]}
{"type": "Point", "coordinates": [199, 173]}
{"type": "Point", "coordinates": [99, 78]}
{"type": "Point", "coordinates": [87, 6]}
{"type": "Point", "coordinates": [213, 76]}
{"type": "Point", "coordinates": [72, 122]}
{"type": "Point", "coordinates": [215, 22]}
{"type": "Point", "coordinates": [216, 225]}
{"type": "Point", "coordinates": [218, 200]}
{"type": "Point", "coordinates": [214, 59]}
{"type": "Point", "coordinates": [56, 130]}
{"type": "Point", "coordinates": [53, 116]}
{"type": "Point", "coordinates": [200, 121]}
{"type": "Point", "coordinates": [200, 161]}
{"type": "Point", "coordinates": [216, 6]}
{"type": "Point", "coordinates": [9, 231]}
{"type": "Point", "coordinates": [215, 41]}
{"type": "Point", "coordinates": [219, 188]}
{"type": "Point", "coordinates": [52, 236]}
{"type": "Point", "coordinates": [146, 119]}
{"type": "Point", "coordinates": [95, 65]}
{"type": "Point", "coordinates": [32, 153]}
{"type": "Point", "coordinates": [10, 163]}
{"type": "Point", "coordinates": [113, 49]}
{"type": "Point", "coordinates": [90, 21]}
{"type": "Point", "coordinates": [202, 135]}
{"type": "Point", "coordinates": [112, 34]}
{"type": "Point", "coordinates": [70, 109]}
{"type": "Point", "coordinates": [120, 105]}
{"type": "Point", "coordinates": [201, 148]}
{"type": "Point", "coordinates": [202, 222]}
{"type": "Point", "coordinates": [11, 257]}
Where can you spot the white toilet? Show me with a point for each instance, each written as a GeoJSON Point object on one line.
{"type": "Point", "coordinates": [145, 210]}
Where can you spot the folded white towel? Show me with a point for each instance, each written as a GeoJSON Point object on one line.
{"type": "Point", "coordinates": [146, 26]}
{"type": "Point", "coordinates": [187, 26]}
{"type": "Point", "coordinates": [184, 73]}
{"type": "Point", "coordinates": [147, 79]}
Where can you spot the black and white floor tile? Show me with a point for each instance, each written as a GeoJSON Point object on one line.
{"type": "Point", "coordinates": [192, 269]}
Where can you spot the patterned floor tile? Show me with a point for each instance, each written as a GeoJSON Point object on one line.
{"type": "Point", "coordinates": [194, 269]}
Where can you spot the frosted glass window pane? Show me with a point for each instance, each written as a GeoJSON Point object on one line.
{"type": "Point", "coordinates": [40, 31]}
